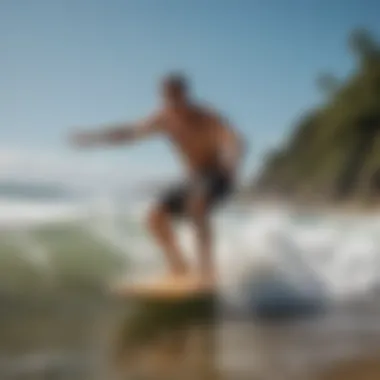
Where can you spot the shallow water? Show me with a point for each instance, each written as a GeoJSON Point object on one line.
{"type": "Point", "coordinates": [75, 337]}
{"type": "Point", "coordinates": [300, 350]}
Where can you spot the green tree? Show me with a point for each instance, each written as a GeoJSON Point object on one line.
{"type": "Point", "coordinates": [363, 44]}
{"type": "Point", "coordinates": [328, 84]}
{"type": "Point", "coordinates": [334, 147]}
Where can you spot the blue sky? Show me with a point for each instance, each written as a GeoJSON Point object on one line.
{"type": "Point", "coordinates": [89, 62]}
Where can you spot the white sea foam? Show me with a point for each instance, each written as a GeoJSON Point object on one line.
{"type": "Point", "coordinates": [20, 213]}
{"type": "Point", "coordinates": [342, 254]}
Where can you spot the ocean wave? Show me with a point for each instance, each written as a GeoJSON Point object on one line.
{"type": "Point", "coordinates": [339, 254]}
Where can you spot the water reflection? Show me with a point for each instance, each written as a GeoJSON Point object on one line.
{"type": "Point", "coordinates": [76, 336]}
{"type": "Point", "coordinates": [54, 336]}
{"type": "Point", "coordinates": [309, 349]}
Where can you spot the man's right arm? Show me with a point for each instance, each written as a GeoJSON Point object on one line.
{"type": "Point", "coordinates": [120, 133]}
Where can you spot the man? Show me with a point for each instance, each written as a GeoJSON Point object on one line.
{"type": "Point", "coordinates": [211, 151]}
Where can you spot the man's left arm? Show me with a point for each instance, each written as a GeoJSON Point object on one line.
{"type": "Point", "coordinates": [231, 146]}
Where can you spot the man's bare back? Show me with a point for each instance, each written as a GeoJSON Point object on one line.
{"type": "Point", "coordinates": [211, 151]}
{"type": "Point", "coordinates": [197, 134]}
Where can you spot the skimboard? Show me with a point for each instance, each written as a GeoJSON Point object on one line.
{"type": "Point", "coordinates": [166, 288]}
{"type": "Point", "coordinates": [162, 305]}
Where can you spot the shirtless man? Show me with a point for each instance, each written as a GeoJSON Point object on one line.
{"type": "Point", "coordinates": [211, 151]}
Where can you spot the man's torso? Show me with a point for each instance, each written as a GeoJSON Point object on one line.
{"type": "Point", "coordinates": [194, 134]}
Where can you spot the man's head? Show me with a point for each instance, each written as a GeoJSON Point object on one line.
{"type": "Point", "coordinates": [174, 89]}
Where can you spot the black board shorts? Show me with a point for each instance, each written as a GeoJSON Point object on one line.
{"type": "Point", "coordinates": [214, 184]}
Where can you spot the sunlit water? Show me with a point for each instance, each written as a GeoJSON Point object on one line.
{"type": "Point", "coordinates": [336, 255]}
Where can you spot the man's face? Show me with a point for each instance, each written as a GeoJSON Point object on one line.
{"type": "Point", "coordinates": [173, 94]}
{"type": "Point", "coordinates": [172, 97]}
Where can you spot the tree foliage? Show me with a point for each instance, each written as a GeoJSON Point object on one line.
{"type": "Point", "coordinates": [334, 150]}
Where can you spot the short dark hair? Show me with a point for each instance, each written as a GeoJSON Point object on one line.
{"type": "Point", "coordinates": [176, 82]}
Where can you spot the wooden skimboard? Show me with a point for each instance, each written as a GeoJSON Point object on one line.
{"type": "Point", "coordinates": [162, 305]}
{"type": "Point", "coordinates": [166, 288]}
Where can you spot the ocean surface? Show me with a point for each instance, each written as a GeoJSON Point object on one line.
{"type": "Point", "coordinates": [335, 256]}
{"type": "Point", "coordinates": [340, 252]}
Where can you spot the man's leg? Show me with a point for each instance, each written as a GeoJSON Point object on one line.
{"type": "Point", "coordinates": [203, 230]}
{"type": "Point", "coordinates": [202, 225]}
{"type": "Point", "coordinates": [161, 228]}
{"type": "Point", "coordinates": [214, 189]}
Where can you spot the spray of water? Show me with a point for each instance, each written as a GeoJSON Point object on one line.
{"type": "Point", "coordinates": [105, 226]}
{"type": "Point", "coordinates": [34, 251]}
{"type": "Point", "coordinates": [341, 254]}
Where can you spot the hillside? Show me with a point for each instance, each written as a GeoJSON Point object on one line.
{"type": "Point", "coordinates": [334, 150]}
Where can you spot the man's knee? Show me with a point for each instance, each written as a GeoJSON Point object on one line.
{"type": "Point", "coordinates": [198, 210]}
{"type": "Point", "coordinates": [156, 217]}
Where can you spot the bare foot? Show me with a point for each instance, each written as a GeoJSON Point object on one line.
{"type": "Point", "coordinates": [177, 277]}
{"type": "Point", "coordinates": [180, 272]}
{"type": "Point", "coordinates": [207, 280]}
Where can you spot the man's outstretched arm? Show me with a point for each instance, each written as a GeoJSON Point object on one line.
{"type": "Point", "coordinates": [118, 134]}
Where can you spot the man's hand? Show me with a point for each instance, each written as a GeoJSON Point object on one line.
{"type": "Point", "coordinates": [83, 139]}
